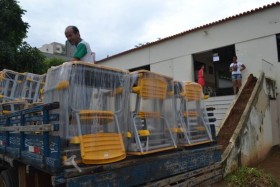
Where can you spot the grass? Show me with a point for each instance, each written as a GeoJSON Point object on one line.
{"type": "Point", "coordinates": [251, 177]}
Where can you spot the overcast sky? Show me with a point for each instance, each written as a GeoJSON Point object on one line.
{"type": "Point", "coordinates": [114, 26]}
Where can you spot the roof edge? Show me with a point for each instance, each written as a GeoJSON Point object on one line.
{"type": "Point", "coordinates": [277, 3]}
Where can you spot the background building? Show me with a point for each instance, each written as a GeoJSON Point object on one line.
{"type": "Point", "coordinates": [253, 36]}
{"type": "Point", "coordinates": [54, 50]}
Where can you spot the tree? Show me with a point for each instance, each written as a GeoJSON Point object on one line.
{"type": "Point", "coordinates": [29, 59]}
{"type": "Point", "coordinates": [53, 62]}
{"type": "Point", "coordinates": [14, 53]}
{"type": "Point", "coordinates": [7, 55]}
{"type": "Point", "coordinates": [12, 31]}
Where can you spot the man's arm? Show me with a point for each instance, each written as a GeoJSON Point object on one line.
{"type": "Point", "coordinates": [81, 52]}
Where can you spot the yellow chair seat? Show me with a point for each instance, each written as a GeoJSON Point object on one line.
{"type": "Point", "coordinates": [146, 114]}
{"type": "Point", "coordinates": [190, 114]}
{"type": "Point", "coordinates": [177, 130]}
{"type": "Point", "coordinates": [102, 148]}
{"type": "Point", "coordinates": [144, 133]}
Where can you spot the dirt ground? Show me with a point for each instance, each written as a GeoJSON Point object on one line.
{"type": "Point", "coordinates": [272, 163]}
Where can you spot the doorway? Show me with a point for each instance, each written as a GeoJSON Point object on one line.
{"type": "Point", "coordinates": [216, 72]}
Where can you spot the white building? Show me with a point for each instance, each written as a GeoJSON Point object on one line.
{"type": "Point", "coordinates": [53, 48]}
{"type": "Point", "coordinates": [253, 36]}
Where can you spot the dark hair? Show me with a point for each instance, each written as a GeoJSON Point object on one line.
{"type": "Point", "coordinates": [75, 29]}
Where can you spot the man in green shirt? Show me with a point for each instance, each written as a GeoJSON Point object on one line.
{"type": "Point", "coordinates": [83, 52]}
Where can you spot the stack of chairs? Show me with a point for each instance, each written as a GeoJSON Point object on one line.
{"type": "Point", "coordinates": [92, 108]}
{"type": "Point", "coordinates": [11, 89]}
{"type": "Point", "coordinates": [152, 114]}
{"type": "Point", "coordinates": [32, 87]}
{"type": "Point", "coordinates": [107, 113]}
{"type": "Point", "coordinates": [12, 106]}
{"type": "Point", "coordinates": [193, 126]}
{"type": "Point", "coordinates": [11, 85]}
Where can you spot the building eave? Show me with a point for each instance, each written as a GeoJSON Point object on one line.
{"type": "Point", "coordinates": [272, 5]}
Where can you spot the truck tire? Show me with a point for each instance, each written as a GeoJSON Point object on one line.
{"type": "Point", "coordinates": [9, 178]}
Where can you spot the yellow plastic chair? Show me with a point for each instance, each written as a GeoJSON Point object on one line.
{"type": "Point", "coordinates": [100, 147]}
{"type": "Point", "coordinates": [154, 89]}
{"type": "Point", "coordinates": [192, 115]}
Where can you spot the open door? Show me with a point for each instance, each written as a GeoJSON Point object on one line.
{"type": "Point", "coordinates": [217, 75]}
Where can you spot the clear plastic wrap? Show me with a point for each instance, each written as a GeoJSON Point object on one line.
{"type": "Point", "coordinates": [12, 106]}
{"type": "Point", "coordinates": [92, 109]}
{"type": "Point", "coordinates": [152, 114]}
{"type": "Point", "coordinates": [32, 87]}
{"type": "Point", "coordinates": [193, 124]}
{"type": "Point", "coordinates": [20, 86]}
{"type": "Point", "coordinates": [11, 85]}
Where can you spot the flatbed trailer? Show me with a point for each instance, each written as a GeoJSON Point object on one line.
{"type": "Point", "coordinates": [175, 168]}
{"type": "Point", "coordinates": [31, 156]}
{"type": "Point", "coordinates": [149, 170]}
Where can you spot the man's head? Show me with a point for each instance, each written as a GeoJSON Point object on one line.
{"type": "Point", "coordinates": [73, 35]}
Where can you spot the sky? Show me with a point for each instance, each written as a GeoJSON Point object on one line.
{"type": "Point", "coordinates": [114, 26]}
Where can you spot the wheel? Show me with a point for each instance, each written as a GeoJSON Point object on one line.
{"type": "Point", "coordinates": [9, 178]}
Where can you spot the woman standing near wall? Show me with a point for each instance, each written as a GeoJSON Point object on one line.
{"type": "Point", "coordinates": [200, 76]}
{"type": "Point", "coordinates": [235, 68]}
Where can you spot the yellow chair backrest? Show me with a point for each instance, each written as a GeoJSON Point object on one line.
{"type": "Point", "coordinates": [193, 91]}
{"type": "Point", "coordinates": [2, 76]}
{"type": "Point", "coordinates": [151, 88]}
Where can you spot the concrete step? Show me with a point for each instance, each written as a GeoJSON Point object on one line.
{"type": "Point", "coordinates": [221, 105]}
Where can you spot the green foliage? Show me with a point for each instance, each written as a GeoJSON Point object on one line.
{"type": "Point", "coordinates": [13, 29]}
{"type": "Point", "coordinates": [29, 59]}
{"type": "Point", "coordinates": [7, 55]}
{"type": "Point", "coordinates": [245, 177]}
{"type": "Point", "coordinates": [14, 53]}
{"type": "Point", "coordinates": [53, 62]}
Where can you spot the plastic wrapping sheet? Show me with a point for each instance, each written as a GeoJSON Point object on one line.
{"type": "Point", "coordinates": [90, 96]}
{"type": "Point", "coordinates": [152, 113]}
{"type": "Point", "coordinates": [12, 106]}
{"type": "Point", "coordinates": [192, 119]}
{"type": "Point", "coordinates": [11, 85]}
{"type": "Point", "coordinates": [32, 86]}
{"type": "Point", "coordinates": [20, 86]}
{"type": "Point", "coordinates": [42, 79]}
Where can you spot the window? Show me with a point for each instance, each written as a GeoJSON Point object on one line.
{"type": "Point", "coordinates": [147, 67]}
{"type": "Point", "coordinates": [278, 46]}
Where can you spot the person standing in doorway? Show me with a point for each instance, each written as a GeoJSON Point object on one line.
{"type": "Point", "coordinates": [83, 52]}
{"type": "Point", "coordinates": [235, 68]}
{"type": "Point", "coordinates": [200, 76]}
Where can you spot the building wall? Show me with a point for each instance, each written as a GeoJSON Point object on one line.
{"type": "Point", "coordinates": [253, 36]}
{"type": "Point", "coordinates": [259, 55]}
{"type": "Point", "coordinates": [256, 133]}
